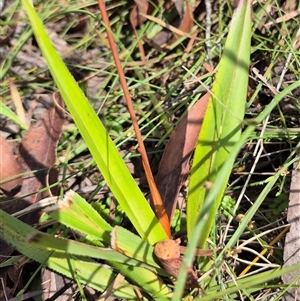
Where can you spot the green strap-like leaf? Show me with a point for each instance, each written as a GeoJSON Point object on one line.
{"type": "Point", "coordinates": [97, 139]}
{"type": "Point", "coordinates": [76, 213]}
{"type": "Point", "coordinates": [89, 272]}
{"type": "Point", "coordinates": [62, 254]}
{"type": "Point", "coordinates": [222, 124]}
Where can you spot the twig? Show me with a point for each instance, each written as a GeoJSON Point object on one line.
{"type": "Point", "coordinates": [158, 204]}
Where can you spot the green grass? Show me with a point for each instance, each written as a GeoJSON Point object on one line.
{"type": "Point", "coordinates": [99, 128]}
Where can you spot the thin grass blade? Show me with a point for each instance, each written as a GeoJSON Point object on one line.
{"type": "Point", "coordinates": [6, 111]}
{"type": "Point", "coordinates": [201, 222]}
{"type": "Point", "coordinates": [250, 284]}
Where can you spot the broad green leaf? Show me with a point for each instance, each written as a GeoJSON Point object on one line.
{"type": "Point", "coordinates": [133, 246]}
{"type": "Point", "coordinates": [89, 272]}
{"type": "Point", "coordinates": [147, 280]}
{"type": "Point", "coordinates": [76, 213]}
{"type": "Point", "coordinates": [44, 248]}
{"type": "Point", "coordinates": [222, 123]}
{"type": "Point", "coordinates": [99, 143]}
{"type": "Point", "coordinates": [60, 245]}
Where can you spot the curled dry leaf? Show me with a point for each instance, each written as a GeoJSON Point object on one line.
{"type": "Point", "coordinates": [174, 165]}
{"type": "Point", "coordinates": [10, 169]}
{"type": "Point", "coordinates": [168, 253]}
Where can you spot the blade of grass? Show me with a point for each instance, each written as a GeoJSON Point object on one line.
{"type": "Point", "coordinates": [99, 143]}
{"type": "Point", "coordinates": [60, 245]}
{"type": "Point", "coordinates": [132, 246]}
{"type": "Point", "coordinates": [252, 283]}
{"type": "Point", "coordinates": [147, 280]}
{"type": "Point", "coordinates": [222, 123]}
{"type": "Point", "coordinates": [6, 111]}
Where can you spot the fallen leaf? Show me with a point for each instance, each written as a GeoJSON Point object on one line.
{"type": "Point", "coordinates": [179, 7]}
{"type": "Point", "coordinates": [56, 287]}
{"type": "Point", "coordinates": [13, 275]}
{"type": "Point", "coordinates": [174, 165]}
{"type": "Point", "coordinates": [141, 6]}
{"type": "Point", "coordinates": [9, 168]}
{"type": "Point", "coordinates": [37, 151]}
{"type": "Point", "coordinates": [177, 31]}
{"type": "Point", "coordinates": [37, 155]}
{"type": "Point", "coordinates": [186, 25]}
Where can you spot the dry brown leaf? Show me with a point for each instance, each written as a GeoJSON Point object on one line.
{"type": "Point", "coordinates": [13, 276]}
{"type": "Point", "coordinates": [37, 154]}
{"type": "Point", "coordinates": [9, 167]}
{"type": "Point", "coordinates": [186, 25]}
{"type": "Point", "coordinates": [168, 253]}
{"type": "Point", "coordinates": [57, 287]}
{"type": "Point", "coordinates": [285, 18]}
{"type": "Point", "coordinates": [142, 11]}
{"type": "Point", "coordinates": [174, 165]}
{"type": "Point", "coordinates": [142, 6]}
{"type": "Point", "coordinates": [177, 31]}
{"type": "Point", "coordinates": [37, 151]}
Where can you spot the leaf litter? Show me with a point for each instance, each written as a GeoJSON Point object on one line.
{"type": "Point", "coordinates": [36, 156]}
